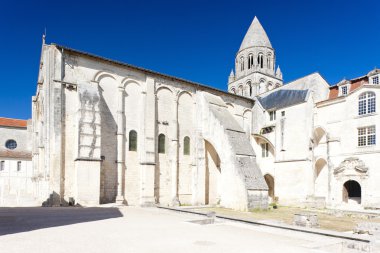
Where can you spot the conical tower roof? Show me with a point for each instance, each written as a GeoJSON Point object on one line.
{"type": "Point", "coordinates": [255, 36]}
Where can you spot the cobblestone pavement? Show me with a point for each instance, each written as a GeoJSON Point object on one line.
{"type": "Point", "coordinates": [132, 229]}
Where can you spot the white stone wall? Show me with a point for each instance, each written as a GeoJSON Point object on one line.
{"type": "Point", "coordinates": [129, 99]}
{"type": "Point", "coordinates": [340, 120]}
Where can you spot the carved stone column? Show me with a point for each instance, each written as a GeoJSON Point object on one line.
{"type": "Point", "coordinates": [120, 145]}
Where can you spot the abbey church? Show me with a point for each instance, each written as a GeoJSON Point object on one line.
{"type": "Point", "coordinates": [104, 131]}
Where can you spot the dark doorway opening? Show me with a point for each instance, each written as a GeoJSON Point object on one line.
{"type": "Point", "coordinates": [352, 191]}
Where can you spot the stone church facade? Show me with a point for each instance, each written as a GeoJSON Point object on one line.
{"type": "Point", "coordinates": [104, 131]}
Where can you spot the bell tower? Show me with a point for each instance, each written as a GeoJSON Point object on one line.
{"type": "Point", "coordinates": [255, 64]}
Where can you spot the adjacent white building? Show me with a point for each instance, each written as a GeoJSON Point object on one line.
{"type": "Point", "coordinates": [16, 170]}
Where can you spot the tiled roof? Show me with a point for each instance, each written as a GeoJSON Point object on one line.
{"type": "Point", "coordinates": [355, 84]}
{"type": "Point", "coordinates": [283, 98]}
{"type": "Point", "coordinates": [13, 122]}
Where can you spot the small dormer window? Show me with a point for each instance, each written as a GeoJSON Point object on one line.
{"type": "Point", "coordinates": [375, 80]}
{"type": "Point", "coordinates": [344, 90]}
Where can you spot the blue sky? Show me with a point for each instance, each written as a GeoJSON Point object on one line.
{"type": "Point", "coordinates": [196, 40]}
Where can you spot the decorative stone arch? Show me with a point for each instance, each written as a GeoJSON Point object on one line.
{"type": "Point", "coordinates": [321, 177]}
{"type": "Point", "coordinates": [319, 135]}
{"type": "Point", "coordinates": [247, 117]}
{"type": "Point", "coordinates": [269, 179]}
{"type": "Point", "coordinates": [262, 85]}
{"type": "Point", "coordinates": [277, 85]}
{"type": "Point", "coordinates": [240, 90]}
{"type": "Point", "coordinates": [233, 90]}
{"type": "Point", "coordinates": [351, 169]}
{"type": "Point", "coordinates": [182, 92]}
{"type": "Point", "coordinates": [270, 86]}
{"type": "Point", "coordinates": [102, 74]}
{"type": "Point", "coordinates": [127, 80]}
{"type": "Point", "coordinates": [213, 173]}
{"type": "Point", "coordinates": [163, 87]}
{"type": "Point", "coordinates": [259, 138]}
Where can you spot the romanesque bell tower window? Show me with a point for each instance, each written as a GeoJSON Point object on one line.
{"type": "Point", "coordinates": [250, 61]}
{"type": "Point", "coordinates": [260, 60]}
{"type": "Point", "coordinates": [241, 63]}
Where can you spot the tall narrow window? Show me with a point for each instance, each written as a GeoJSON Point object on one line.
{"type": "Point", "coordinates": [2, 165]}
{"type": "Point", "coordinates": [264, 150]}
{"type": "Point", "coordinates": [241, 63]}
{"type": "Point", "coordinates": [19, 166]}
{"type": "Point", "coordinates": [367, 103]}
{"type": "Point", "coordinates": [250, 61]}
{"type": "Point", "coordinates": [132, 140]}
{"type": "Point", "coordinates": [269, 61]}
{"type": "Point", "coordinates": [260, 60]}
{"type": "Point", "coordinates": [366, 136]}
{"type": "Point", "coordinates": [186, 145]}
{"type": "Point", "coordinates": [161, 144]}
{"type": "Point", "coordinates": [272, 115]}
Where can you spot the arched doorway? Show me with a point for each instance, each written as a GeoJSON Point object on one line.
{"type": "Point", "coordinates": [212, 177]}
{"type": "Point", "coordinates": [321, 178]}
{"type": "Point", "coordinates": [270, 182]}
{"type": "Point", "coordinates": [352, 192]}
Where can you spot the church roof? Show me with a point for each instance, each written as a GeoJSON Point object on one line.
{"type": "Point", "coordinates": [13, 122]}
{"type": "Point", "coordinates": [255, 36]}
{"type": "Point", "coordinates": [198, 85]}
{"type": "Point", "coordinates": [283, 98]}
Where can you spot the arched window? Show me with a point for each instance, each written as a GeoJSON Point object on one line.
{"type": "Point", "coordinates": [250, 61]}
{"type": "Point", "coordinates": [186, 145]}
{"type": "Point", "coordinates": [161, 144]}
{"type": "Point", "coordinates": [367, 103]}
{"type": "Point", "coordinates": [250, 88]}
{"type": "Point", "coordinates": [260, 60]}
{"type": "Point", "coordinates": [269, 61]}
{"type": "Point", "coordinates": [233, 91]}
{"type": "Point", "coordinates": [241, 63]}
{"type": "Point", "coordinates": [132, 140]}
{"type": "Point", "coordinates": [240, 90]}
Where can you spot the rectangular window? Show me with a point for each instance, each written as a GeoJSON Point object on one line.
{"type": "Point", "coordinates": [362, 107]}
{"type": "Point", "coordinates": [2, 165]}
{"type": "Point", "coordinates": [264, 150]}
{"type": "Point", "coordinates": [367, 136]}
{"type": "Point", "coordinates": [371, 104]}
{"type": "Point", "coordinates": [272, 115]}
{"type": "Point", "coordinates": [19, 166]}
{"type": "Point", "coordinates": [283, 113]}
{"type": "Point", "coordinates": [344, 90]}
{"type": "Point", "coordinates": [375, 80]}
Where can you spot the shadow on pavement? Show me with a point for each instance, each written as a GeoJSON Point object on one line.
{"type": "Point", "coordinates": [23, 219]}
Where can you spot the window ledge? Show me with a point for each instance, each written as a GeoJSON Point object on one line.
{"type": "Point", "coordinates": [369, 147]}
{"type": "Point", "coordinates": [366, 115]}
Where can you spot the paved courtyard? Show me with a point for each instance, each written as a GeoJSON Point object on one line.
{"type": "Point", "coordinates": [129, 229]}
